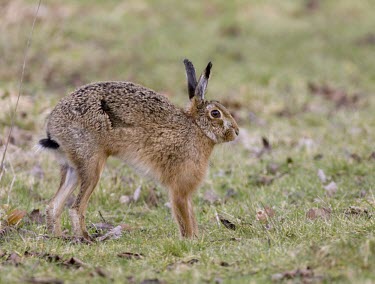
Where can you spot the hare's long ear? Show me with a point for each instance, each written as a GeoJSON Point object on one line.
{"type": "Point", "coordinates": [200, 90]}
{"type": "Point", "coordinates": [191, 78]}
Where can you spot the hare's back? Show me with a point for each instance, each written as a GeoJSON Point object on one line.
{"type": "Point", "coordinates": [128, 104]}
{"type": "Point", "coordinates": [115, 104]}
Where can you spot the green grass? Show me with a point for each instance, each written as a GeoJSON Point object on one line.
{"type": "Point", "coordinates": [265, 54]}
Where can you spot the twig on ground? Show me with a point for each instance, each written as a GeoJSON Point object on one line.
{"type": "Point", "coordinates": [217, 218]}
{"type": "Point", "coordinates": [101, 216]}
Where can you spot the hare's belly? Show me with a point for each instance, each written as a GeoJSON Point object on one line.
{"type": "Point", "coordinates": [144, 166]}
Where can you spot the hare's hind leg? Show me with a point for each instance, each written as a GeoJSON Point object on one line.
{"type": "Point", "coordinates": [69, 181]}
{"type": "Point", "coordinates": [89, 174]}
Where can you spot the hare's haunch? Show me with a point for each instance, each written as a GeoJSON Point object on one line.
{"type": "Point", "coordinates": [142, 128]}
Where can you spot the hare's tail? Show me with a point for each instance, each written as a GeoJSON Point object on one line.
{"type": "Point", "coordinates": [48, 143]}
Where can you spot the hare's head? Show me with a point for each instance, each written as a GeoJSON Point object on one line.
{"type": "Point", "coordinates": [211, 116]}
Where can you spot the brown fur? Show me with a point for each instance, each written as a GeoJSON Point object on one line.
{"type": "Point", "coordinates": [144, 129]}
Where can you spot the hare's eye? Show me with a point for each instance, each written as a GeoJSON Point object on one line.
{"type": "Point", "coordinates": [215, 113]}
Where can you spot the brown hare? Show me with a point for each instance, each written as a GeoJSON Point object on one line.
{"type": "Point", "coordinates": [144, 129]}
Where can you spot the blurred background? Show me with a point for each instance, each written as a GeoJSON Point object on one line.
{"type": "Point", "coordinates": [255, 46]}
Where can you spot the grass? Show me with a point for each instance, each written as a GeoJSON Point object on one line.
{"type": "Point", "coordinates": [265, 55]}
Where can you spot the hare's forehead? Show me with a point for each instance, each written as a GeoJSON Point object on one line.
{"type": "Point", "coordinates": [216, 105]}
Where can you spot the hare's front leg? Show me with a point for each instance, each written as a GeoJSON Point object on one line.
{"type": "Point", "coordinates": [184, 214]}
{"type": "Point", "coordinates": [69, 181]}
{"type": "Point", "coordinates": [89, 173]}
{"type": "Point", "coordinates": [192, 217]}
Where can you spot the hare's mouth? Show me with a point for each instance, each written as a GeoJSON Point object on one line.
{"type": "Point", "coordinates": [230, 135]}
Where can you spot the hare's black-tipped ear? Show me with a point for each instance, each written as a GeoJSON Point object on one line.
{"type": "Point", "coordinates": [200, 90]}
{"type": "Point", "coordinates": [191, 78]}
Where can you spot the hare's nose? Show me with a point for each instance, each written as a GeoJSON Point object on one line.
{"type": "Point", "coordinates": [237, 130]}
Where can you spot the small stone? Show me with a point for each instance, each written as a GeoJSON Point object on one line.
{"type": "Point", "coordinates": [125, 199]}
